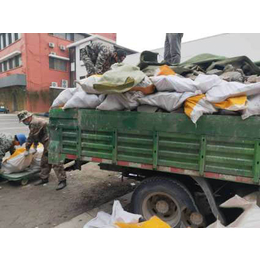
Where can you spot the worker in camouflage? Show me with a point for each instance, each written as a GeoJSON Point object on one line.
{"type": "Point", "coordinates": [8, 143]}
{"type": "Point", "coordinates": [39, 133]}
{"type": "Point", "coordinates": [98, 57]}
{"type": "Point", "coordinates": [172, 47]}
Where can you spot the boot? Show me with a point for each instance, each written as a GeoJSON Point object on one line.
{"type": "Point", "coordinates": [41, 182]}
{"type": "Point", "coordinates": [61, 185]}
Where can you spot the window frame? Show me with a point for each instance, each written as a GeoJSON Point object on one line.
{"type": "Point", "coordinates": [11, 62]}
{"type": "Point", "coordinates": [6, 39]}
{"type": "Point", "coordinates": [9, 37]}
{"type": "Point", "coordinates": [16, 34]}
{"type": "Point", "coordinates": [15, 63]}
{"type": "Point", "coordinates": [57, 64]}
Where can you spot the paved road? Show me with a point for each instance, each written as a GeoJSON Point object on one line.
{"type": "Point", "coordinates": [42, 206]}
{"type": "Point", "coordinates": [31, 206]}
{"type": "Point", "coordinates": [10, 124]}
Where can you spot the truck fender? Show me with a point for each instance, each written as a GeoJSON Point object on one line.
{"type": "Point", "coordinates": [205, 186]}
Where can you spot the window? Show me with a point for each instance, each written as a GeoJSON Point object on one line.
{"type": "Point", "coordinates": [8, 38]}
{"type": "Point", "coordinates": [78, 37]}
{"type": "Point", "coordinates": [4, 40]}
{"type": "Point", "coordinates": [11, 63]}
{"type": "Point", "coordinates": [66, 36]}
{"type": "Point", "coordinates": [16, 60]}
{"type": "Point", "coordinates": [70, 36]}
{"type": "Point", "coordinates": [5, 65]}
{"type": "Point", "coordinates": [57, 64]}
{"type": "Point", "coordinates": [60, 35]}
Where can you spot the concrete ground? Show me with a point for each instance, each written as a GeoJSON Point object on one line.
{"type": "Point", "coordinates": [43, 206]}
{"type": "Point", "coordinates": [82, 219]}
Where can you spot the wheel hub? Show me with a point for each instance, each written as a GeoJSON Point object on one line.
{"type": "Point", "coordinates": [196, 218]}
{"type": "Point", "coordinates": [162, 206]}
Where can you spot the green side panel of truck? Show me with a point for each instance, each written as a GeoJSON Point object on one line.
{"type": "Point", "coordinates": [220, 147]}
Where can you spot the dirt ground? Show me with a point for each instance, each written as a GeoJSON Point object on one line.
{"type": "Point", "coordinates": [42, 206]}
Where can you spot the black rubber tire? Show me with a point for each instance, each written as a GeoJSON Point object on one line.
{"type": "Point", "coordinates": [24, 182]}
{"type": "Point", "coordinates": [168, 186]}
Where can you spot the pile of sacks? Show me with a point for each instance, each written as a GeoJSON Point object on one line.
{"type": "Point", "coordinates": [125, 87]}
{"type": "Point", "coordinates": [123, 219]}
{"type": "Point", "coordinates": [249, 218]}
{"type": "Point", "coordinates": [18, 162]}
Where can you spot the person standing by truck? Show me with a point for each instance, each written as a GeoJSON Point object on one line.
{"type": "Point", "coordinates": [8, 143]}
{"type": "Point", "coordinates": [38, 133]}
{"type": "Point", "coordinates": [99, 57]}
{"type": "Point", "coordinates": [172, 47]}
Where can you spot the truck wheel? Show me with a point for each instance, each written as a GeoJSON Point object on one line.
{"type": "Point", "coordinates": [24, 182]}
{"type": "Point", "coordinates": [167, 199]}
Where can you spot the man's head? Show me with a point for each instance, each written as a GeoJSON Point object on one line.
{"type": "Point", "coordinates": [25, 117]}
{"type": "Point", "coordinates": [19, 139]}
{"type": "Point", "coordinates": [119, 55]}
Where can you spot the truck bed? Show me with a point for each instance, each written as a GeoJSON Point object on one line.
{"type": "Point", "coordinates": [218, 147]}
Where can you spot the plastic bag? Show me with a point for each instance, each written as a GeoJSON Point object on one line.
{"type": "Point", "coordinates": [164, 70]}
{"type": "Point", "coordinates": [83, 100]}
{"type": "Point", "coordinates": [231, 89]}
{"type": "Point", "coordinates": [17, 162]}
{"type": "Point", "coordinates": [196, 106]}
{"type": "Point", "coordinates": [167, 101]}
{"type": "Point", "coordinates": [117, 102]}
{"type": "Point", "coordinates": [174, 83]}
{"type": "Point", "coordinates": [153, 222]}
{"type": "Point", "coordinates": [206, 82]}
{"type": "Point", "coordinates": [233, 103]}
{"type": "Point", "coordinates": [216, 224]}
{"type": "Point", "coordinates": [88, 83]}
{"type": "Point", "coordinates": [65, 96]}
{"type": "Point", "coordinates": [250, 218]}
{"type": "Point", "coordinates": [104, 220]}
{"type": "Point", "coordinates": [113, 102]}
{"type": "Point", "coordinates": [37, 157]}
{"type": "Point", "coordinates": [253, 107]}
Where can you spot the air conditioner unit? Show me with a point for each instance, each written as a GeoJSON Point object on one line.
{"type": "Point", "coordinates": [64, 83]}
{"type": "Point", "coordinates": [53, 53]}
{"type": "Point", "coordinates": [51, 45]}
{"type": "Point", "coordinates": [62, 47]}
{"type": "Point", "coordinates": [54, 84]}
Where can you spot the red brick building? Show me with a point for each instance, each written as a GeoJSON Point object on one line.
{"type": "Point", "coordinates": [32, 62]}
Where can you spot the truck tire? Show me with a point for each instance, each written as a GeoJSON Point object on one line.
{"type": "Point", "coordinates": [166, 198]}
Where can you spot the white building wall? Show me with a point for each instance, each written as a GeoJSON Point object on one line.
{"type": "Point", "coordinates": [229, 45]}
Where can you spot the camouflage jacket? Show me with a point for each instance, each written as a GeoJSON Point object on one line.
{"type": "Point", "coordinates": [38, 132]}
{"type": "Point", "coordinates": [97, 58]}
{"type": "Point", "coordinates": [6, 145]}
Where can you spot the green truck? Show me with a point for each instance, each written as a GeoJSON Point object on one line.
{"type": "Point", "coordinates": [186, 170]}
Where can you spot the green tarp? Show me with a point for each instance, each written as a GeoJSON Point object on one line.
{"type": "Point", "coordinates": [203, 62]}
{"type": "Point", "coordinates": [121, 78]}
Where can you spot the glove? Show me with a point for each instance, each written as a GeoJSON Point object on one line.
{"type": "Point", "coordinates": [34, 151]}
{"type": "Point", "coordinates": [26, 153]}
